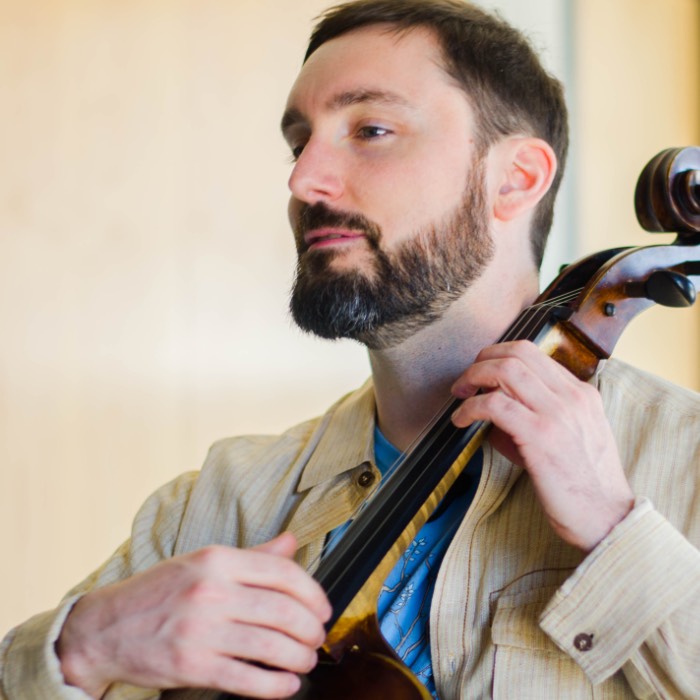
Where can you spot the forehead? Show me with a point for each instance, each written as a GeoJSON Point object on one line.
{"type": "Point", "coordinates": [404, 67]}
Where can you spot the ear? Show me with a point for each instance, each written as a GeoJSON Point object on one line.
{"type": "Point", "coordinates": [526, 169]}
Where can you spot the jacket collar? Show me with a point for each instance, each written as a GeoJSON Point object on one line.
{"type": "Point", "coordinates": [342, 440]}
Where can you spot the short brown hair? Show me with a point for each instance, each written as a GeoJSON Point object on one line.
{"type": "Point", "coordinates": [494, 63]}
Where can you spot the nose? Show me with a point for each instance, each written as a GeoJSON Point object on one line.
{"type": "Point", "coordinates": [317, 174]}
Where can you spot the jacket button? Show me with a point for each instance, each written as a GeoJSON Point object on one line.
{"type": "Point", "coordinates": [366, 479]}
{"type": "Point", "coordinates": [583, 642]}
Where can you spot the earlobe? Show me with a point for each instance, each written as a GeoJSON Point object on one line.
{"type": "Point", "coordinates": [528, 168]}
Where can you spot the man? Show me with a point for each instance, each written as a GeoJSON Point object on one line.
{"type": "Point", "coordinates": [427, 143]}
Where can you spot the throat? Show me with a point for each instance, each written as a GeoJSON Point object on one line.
{"type": "Point", "coordinates": [413, 380]}
{"type": "Point", "coordinates": [408, 401]}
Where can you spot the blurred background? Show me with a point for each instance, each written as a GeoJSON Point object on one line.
{"type": "Point", "coordinates": [145, 257]}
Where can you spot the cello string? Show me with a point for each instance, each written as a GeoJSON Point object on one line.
{"type": "Point", "coordinates": [418, 472]}
{"type": "Point", "coordinates": [522, 328]}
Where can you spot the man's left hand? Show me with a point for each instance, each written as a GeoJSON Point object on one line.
{"type": "Point", "coordinates": [553, 425]}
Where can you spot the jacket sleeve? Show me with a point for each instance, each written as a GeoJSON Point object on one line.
{"type": "Point", "coordinates": [634, 605]}
{"type": "Point", "coordinates": [29, 666]}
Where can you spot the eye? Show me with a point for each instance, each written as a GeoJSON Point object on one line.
{"type": "Point", "coordinates": [296, 152]}
{"type": "Point", "coordinates": [296, 136]}
{"type": "Point", "coordinates": [372, 132]}
{"type": "Point", "coordinates": [296, 148]}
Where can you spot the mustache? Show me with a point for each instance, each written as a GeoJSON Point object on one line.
{"type": "Point", "coordinates": [320, 215]}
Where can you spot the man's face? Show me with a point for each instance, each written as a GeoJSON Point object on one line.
{"type": "Point", "coordinates": [387, 199]}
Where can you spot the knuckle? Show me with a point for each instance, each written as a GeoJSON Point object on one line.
{"type": "Point", "coordinates": [303, 661]}
{"type": "Point", "coordinates": [524, 349]}
{"type": "Point", "coordinates": [201, 591]}
{"type": "Point", "coordinates": [279, 568]}
{"type": "Point", "coordinates": [545, 429]}
{"type": "Point", "coordinates": [494, 401]}
{"type": "Point", "coordinates": [261, 603]}
{"type": "Point", "coordinates": [182, 659]}
{"type": "Point", "coordinates": [272, 646]}
{"type": "Point", "coordinates": [285, 615]}
{"type": "Point", "coordinates": [187, 627]}
{"type": "Point", "coordinates": [525, 346]}
{"type": "Point", "coordinates": [291, 615]}
{"type": "Point", "coordinates": [311, 661]}
{"type": "Point", "coordinates": [209, 558]}
{"type": "Point", "coordinates": [514, 368]}
{"type": "Point", "coordinates": [583, 394]}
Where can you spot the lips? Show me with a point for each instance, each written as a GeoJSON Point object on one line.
{"type": "Point", "coordinates": [327, 237]}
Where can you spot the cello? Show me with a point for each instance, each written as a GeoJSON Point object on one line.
{"type": "Point", "coordinates": [577, 320]}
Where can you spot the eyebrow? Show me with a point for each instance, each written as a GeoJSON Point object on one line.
{"type": "Point", "coordinates": [294, 116]}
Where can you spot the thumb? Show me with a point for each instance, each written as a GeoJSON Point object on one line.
{"type": "Point", "coordinates": [284, 545]}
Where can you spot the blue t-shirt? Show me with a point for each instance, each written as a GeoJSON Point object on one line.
{"type": "Point", "coordinates": [403, 607]}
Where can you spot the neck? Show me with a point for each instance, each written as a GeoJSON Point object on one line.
{"type": "Point", "coordinates": [412, 380]}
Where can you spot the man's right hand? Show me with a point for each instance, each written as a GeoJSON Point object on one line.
{"type": "Point", "coordinates": [198, 620]}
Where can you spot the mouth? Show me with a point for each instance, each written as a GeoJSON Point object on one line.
{"type": "Point", "coordinates": [329, 237]}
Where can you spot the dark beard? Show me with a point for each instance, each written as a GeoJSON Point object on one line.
{"type": "Point", "coordinates": [407, 289]}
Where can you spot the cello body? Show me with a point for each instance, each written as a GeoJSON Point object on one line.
{"type": "Point", "coordinates": [367, 669]}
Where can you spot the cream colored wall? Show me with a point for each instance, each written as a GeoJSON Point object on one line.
{"type": "Point", "coordinates": [145, 257]}
{"type": "Point", "coordinates": [145, 260]}
{"type": "Point", "coordinates": [636, 93]}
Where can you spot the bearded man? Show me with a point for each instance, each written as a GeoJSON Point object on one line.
{"type": "Point", "coordinates": [428, 144]}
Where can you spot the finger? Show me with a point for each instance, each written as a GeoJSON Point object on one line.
{"type": "Point", "coordinates": [513, 377]}
{"type": "Point", "coordinates": [505, 412]}
{"type": "Point", "coordinates": [266, 646]}
{"type": "Point", "coordinates": [467, 384]}
{"type": "Point", "coordinates": [532, 356]}
{"type": "Point", "coordinates": [284, 545]}
{"type": "Point", "coordinates": [521, 370]}
{"type": "Point", "coordinates": [271, 571]}
{"type": "Point", "coordinates": [248, 680]}
{"type": "Point", "coordinates": [252, 567]}
{"type": "Point", "coordinates": [277, 611]}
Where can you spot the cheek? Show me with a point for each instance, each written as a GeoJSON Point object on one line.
{"type": "Point", "coordinates": [446, 175]}
{"type": "Point", "coordinates": [409, 194]}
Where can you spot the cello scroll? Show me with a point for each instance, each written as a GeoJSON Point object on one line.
{"type": "Point", "coordinates": [630, 280]}
{"type": "Point", "coordinates": [667, 196]}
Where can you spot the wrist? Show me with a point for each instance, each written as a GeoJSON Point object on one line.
{"type": "Point", "coordinates": [615, 515]}
{"type": "Point", "coordinates": [77, 658]}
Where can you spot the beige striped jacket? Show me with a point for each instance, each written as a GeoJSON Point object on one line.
{"type": "Point", "coordinates": [516, 613]}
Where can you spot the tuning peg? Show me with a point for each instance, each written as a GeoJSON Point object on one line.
{"type": "Point", "coordinates": [670, 288]}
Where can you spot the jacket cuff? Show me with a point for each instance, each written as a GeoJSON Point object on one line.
{"type": "Point", "coordinates": [32, 668]}
{"type": "Point", "coordinates": [622, 591]}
